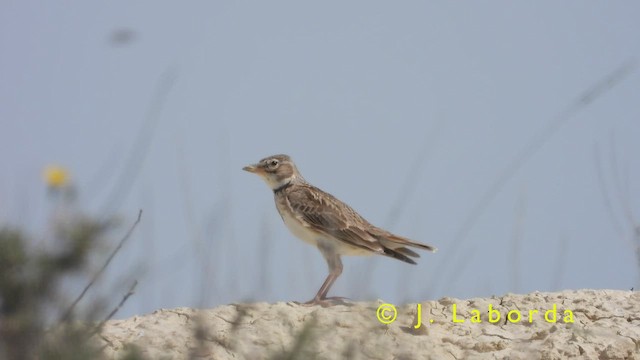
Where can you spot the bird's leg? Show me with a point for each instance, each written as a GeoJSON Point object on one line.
{"type": "Point", "coordinates": [328, 282]}
{"type": "Point", "coordinates": [335, 269]}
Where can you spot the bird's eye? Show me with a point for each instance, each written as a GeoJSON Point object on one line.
{"type": "Point", "coordinates": [273, 163]}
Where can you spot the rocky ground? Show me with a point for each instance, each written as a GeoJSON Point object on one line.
{"type": "Point", "coordinates": [591, 324]}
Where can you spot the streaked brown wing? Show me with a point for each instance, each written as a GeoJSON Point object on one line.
{"type": "Point", "coordinates": [328, 215]}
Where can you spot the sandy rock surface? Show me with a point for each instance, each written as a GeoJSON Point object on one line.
{"type": "Point", "coordinates": [606, 325]}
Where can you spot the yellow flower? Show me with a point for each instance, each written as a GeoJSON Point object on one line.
{"type": "Point", "coordinates": [56, 176]}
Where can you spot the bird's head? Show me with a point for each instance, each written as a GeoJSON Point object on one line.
{"type": "Point", "coordinates": [276, 171]}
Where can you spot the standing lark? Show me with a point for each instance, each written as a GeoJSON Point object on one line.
{"type": "Point", "coordinates": [318, 218]}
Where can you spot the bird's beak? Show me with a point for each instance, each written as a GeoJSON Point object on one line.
{"type": "Point", "coordinates": [251, 168]}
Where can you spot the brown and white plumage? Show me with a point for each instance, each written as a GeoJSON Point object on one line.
{"type": "Point", "coordinates": [322, 220]}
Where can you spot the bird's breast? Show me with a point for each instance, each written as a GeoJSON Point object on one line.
{"type": "Point", "coordinates": [294, 225]}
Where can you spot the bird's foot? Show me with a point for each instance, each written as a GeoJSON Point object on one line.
{"type": "Point", "coordinates": [326, 302]}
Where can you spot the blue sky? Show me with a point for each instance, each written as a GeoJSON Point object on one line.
{"type": "Point", "coordinates": [408, 112]}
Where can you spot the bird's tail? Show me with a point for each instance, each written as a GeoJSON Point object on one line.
{"type": "Point", "coordinates": [397, 246]}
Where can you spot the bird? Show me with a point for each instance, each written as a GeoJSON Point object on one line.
{"type": "Point", "coordinates": [320, 219]}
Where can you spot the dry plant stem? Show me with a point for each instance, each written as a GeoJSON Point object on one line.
{"type": "Point", "coordinates": [142, 143]}
{"type": "Point", "coordinates": [605, 194]}
{"type": "Point", "coordinates": [585, 99]}
{"type": "Point", "coordinates": [621, 187]}
{"type": "Point", "coordinates": [117, 308]}
{"type": "Point", "coordinates": [516, 243]}
{"type": "Point", "coordinates": [407, 191]}
{"type": "Point", "coordinates": [69, 311]}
